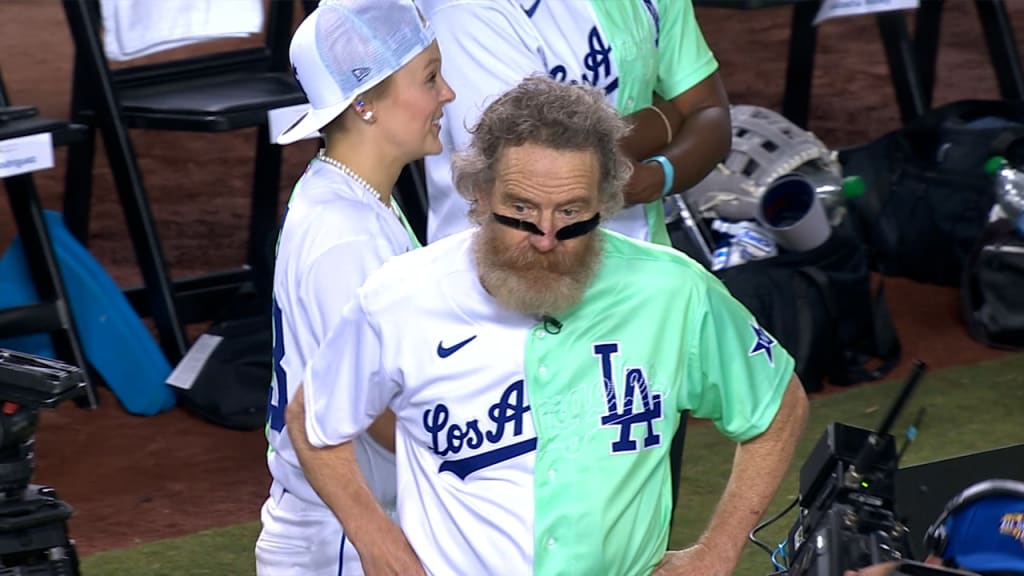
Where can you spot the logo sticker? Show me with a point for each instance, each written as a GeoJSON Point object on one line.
{"type": "Point", "coordinates": [361, 73]}
{"type": "Point", "coordinates": [1012, 524]}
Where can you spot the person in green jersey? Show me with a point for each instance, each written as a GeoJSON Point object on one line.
{"type": "Point", "coordinates": [650, 59]}
{"type": "Point", "coordinates": [537, 366]}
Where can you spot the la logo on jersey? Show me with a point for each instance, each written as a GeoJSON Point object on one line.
{"type": "Point", "coordinates": [637, 406]}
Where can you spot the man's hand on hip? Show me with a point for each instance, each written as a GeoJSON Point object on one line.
{"type": "Point", "coordinates": [697, 560]}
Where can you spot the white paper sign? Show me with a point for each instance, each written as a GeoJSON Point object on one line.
{"type": "Point", "coordinates": [26, 154]}
{"type": "Point", "coordinates": [839, 8]}
{"type": "Point", "coordinates": [281, 119]}
{"type": "Point", "coordinates": [185, 373]}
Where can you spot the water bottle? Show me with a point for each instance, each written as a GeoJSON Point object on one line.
{"type": "Point", "coordinates": [749, 241]}
{"type": "Point", "coordinates": [833, 191]}
{"type": "Point", "coordinates": [1009, 189]}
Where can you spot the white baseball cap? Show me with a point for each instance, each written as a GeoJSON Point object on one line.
{"type": "Point", "coordinates": [344, 48]}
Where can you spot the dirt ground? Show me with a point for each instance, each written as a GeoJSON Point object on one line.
{"type": "Point", "coordinates": [134, 479]}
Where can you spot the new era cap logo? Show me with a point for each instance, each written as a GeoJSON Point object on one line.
{"type": "Point", "coordinates": [360, 73]}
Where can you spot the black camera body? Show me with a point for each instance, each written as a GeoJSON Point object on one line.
{"type": "Point", "coordinates": [33, 531]}
{"type": "Point", "coordinates": [847, 516]}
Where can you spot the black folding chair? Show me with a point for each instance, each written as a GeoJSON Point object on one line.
{"type": "Point", "coordinates": [52, 314]}
{"type": "Point", "coordinates": [212, 93]}
{"type": "Point", "coordinates": [803, 40]}
{"type": "Point", "coordinates": [999, 39]}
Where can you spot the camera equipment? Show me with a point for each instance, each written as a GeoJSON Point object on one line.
{"type": "Point", "coordinates": [33, 531]}
{"type": "Point", "coordinates": [911, 568]}
{"type": "Point", "coordinates": [847, 485]}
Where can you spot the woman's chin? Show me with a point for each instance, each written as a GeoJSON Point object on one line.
{"type": "Point", "coordinates": [433, 147]}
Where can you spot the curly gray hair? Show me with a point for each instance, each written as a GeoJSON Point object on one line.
{"type": "Point", "coordinates": [552, 114]}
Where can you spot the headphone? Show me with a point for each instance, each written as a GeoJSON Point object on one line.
{"type": "Point", "coordinates": [937, 536]}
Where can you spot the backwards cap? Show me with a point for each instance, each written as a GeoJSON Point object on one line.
{"type": "Point", "coordinates": [344, 48]}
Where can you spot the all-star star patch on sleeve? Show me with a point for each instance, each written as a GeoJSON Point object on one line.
{"type": "Point", "coordinates": [736, 371]}
{"type": "Point", "coordinates": [345, 387]}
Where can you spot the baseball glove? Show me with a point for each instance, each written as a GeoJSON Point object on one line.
{"type": "Point", "coordinates": [765, 146]}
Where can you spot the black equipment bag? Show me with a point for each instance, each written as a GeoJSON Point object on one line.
{"type": "Point", "coordinates": [992, 293]}
{"type": "Point", "coordinates": [819, 305]}
{"type": "Point", "coordinates": [233, 386]}
{"type": "Point", "coordinates": [927, 194]}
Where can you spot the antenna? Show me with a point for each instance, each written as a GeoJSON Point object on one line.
{"type": "Point", "coordinates": [869, 454]}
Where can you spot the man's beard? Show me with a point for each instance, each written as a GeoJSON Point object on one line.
{"type": "Point", "coordinates": [531, 282]}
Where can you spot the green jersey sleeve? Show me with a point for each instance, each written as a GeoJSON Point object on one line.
{"type": "Point", "coordinates": [684, 58]}
{"type": "Point", "coordinates": [736, 372]}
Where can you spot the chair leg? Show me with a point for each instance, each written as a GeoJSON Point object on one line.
{"type": "Point", "coordinates": [146, 241]}
{"type": "Point", "coordinates": [803, 38]}
{"type": "Point", "coordinates": [81, 155]}
{"type": "Point", "coordinates": [78, 186]}
{"type": "Point", "coordinates": [902, 65]}
{"type": "Point", "coordinates": [927, 26]}
{"type": "Point", "coordinates": [263, 215]}
{"type": "Point", "coordinates": [1002, 47]}
{"type": "Point", "coordinates": [45, 272]}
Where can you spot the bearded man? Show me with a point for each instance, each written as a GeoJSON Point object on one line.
{"type": "Point", "coordinates": [538, 365]}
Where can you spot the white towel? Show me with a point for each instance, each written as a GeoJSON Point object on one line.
{"type": "Point", "coordinates": [840, 8]}
{"type": "Point", "coordinates": [134, 28]}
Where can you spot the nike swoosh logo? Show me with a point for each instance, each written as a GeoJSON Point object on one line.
{"type": "Point", "coordinates": [445, 352]}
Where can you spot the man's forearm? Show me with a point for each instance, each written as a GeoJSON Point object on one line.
{"type": "Point", "coordinates": [758, 469]}
{"type": "Point", "coordinates": [334, 473]}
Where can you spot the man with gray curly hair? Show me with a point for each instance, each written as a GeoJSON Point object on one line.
{"type": "Point", "coordinates": [535, 395]}
{"type": "Point", "coordinates": [547, 274]}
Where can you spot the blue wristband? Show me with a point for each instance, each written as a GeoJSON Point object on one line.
{"type": "Point", "coordinates": [670, 172]}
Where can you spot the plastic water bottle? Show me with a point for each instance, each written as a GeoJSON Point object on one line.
{"type": "Point", "coordinates": [749, 241]}
{"type": "Point", "coordinates": [1009, 189]}
{"type": "Point", "coordinates": [833, 191]}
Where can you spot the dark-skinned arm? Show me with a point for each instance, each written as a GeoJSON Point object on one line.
{"type": "Point", "coordinates": [702, 140]}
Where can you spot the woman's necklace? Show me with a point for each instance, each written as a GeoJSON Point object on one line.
{"type": "Point", "coordinates": [321, 156]}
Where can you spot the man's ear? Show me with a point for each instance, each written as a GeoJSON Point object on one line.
{"type": "Point", "coordinates": [481, 206]}
{"type": "Point", "coordinates": [483, 200]}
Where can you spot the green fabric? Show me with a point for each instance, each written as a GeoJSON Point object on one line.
{"type": "Point", "coordinates": [678, 341]}
{"type": "Point", "coordinates": [680, 60]}
{"type": "Point", "coordinates": [405, 222]}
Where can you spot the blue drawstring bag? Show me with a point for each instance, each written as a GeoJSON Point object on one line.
{"type": "Point", "coordinates": [115, 341]}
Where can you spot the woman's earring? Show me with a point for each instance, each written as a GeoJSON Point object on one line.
{"type": "Point", "coordinates": [366, 115]}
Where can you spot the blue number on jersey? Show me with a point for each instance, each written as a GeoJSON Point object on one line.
{"type": "Point", "coordinates": [275, 414]}
{"type": "Point", "coordinates": [628, 414]}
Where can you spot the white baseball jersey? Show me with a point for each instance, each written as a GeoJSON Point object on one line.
{"type": "Point", "coordinates": [524, 448]}
{"type": "Point", "coordinates": [334, 234]}
{"type": "Point", "coordinates": [629, 48]}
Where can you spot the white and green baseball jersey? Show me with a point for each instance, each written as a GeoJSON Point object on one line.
{"type": "Point", "coordinates": [525, 447]}
{"type": "Point", "coordinates": [333, 235]}
{"type": "Point", "coordinates": [629, 48]}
